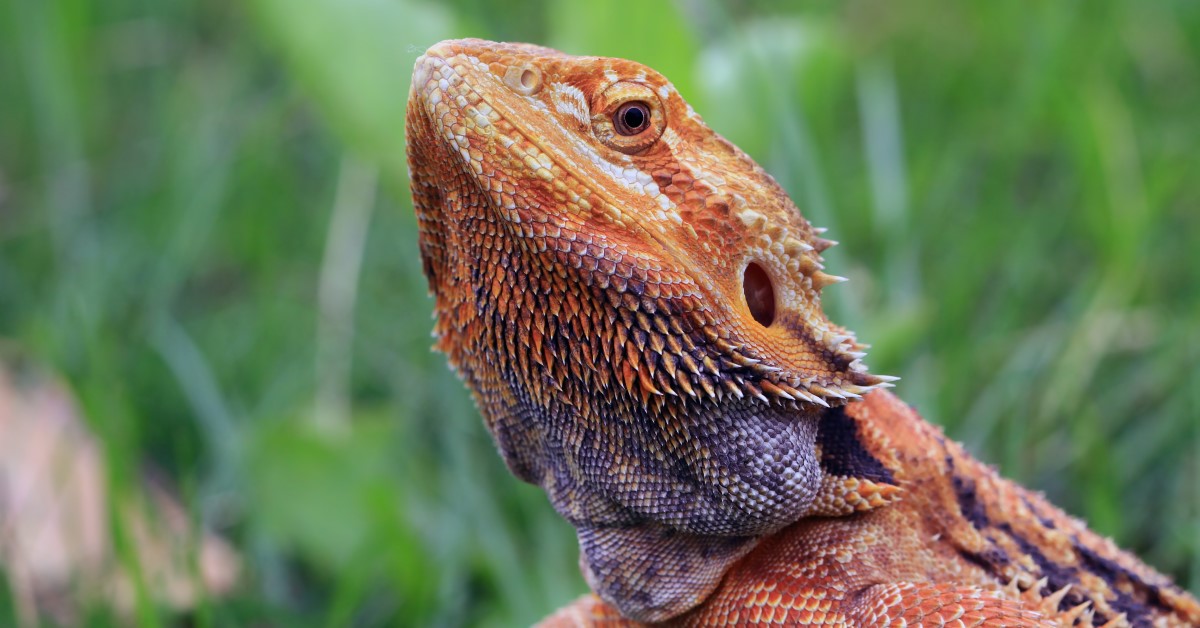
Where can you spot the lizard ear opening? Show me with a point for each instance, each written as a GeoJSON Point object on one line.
{"type": "Point", "coordinates": [760, 294]}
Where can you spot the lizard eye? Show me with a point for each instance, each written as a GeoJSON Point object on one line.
{"type": "Point", "coordinates": [632, 118]}
{"type": "Point", "coordinates": [628, 117]}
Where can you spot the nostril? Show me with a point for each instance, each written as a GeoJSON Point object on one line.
{"type": "Point", "coordinates": [523, 79]}
{"type": "Point", "coordinates": [760, 294]}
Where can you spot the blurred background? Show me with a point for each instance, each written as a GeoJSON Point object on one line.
{"type": "Point", "coordinates": [213, 318]}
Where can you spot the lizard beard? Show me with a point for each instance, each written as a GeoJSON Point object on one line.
{"type": "Point", "coordinates": [661, 511]}
{"type": "Point", "coordinates": [665, 492]}
{"type": "Point", "coordinates": [741, 469]}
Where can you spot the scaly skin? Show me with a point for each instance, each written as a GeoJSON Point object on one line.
{"type": "Point", "coordinates": [636, 309]}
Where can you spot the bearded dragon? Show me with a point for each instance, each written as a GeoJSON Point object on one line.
{"type": "Point", "coordinates": [635, 305]}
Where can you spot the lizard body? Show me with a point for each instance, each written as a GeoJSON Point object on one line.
{"type": "Point", "coordinates": [635, 305]}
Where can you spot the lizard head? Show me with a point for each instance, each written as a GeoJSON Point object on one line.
{"type": "Point", "coordinates": [600, 165]}
{"type": "Point", "coordinates": [634, 302]}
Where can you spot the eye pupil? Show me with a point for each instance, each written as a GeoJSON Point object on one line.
{"type": "Point", "coordinates": [632, 118]}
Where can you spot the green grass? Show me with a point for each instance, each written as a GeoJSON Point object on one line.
{"type": "Point", "coordinates": [1014, 185]}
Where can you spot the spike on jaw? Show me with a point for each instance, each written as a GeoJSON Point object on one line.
{"type": "Point", "coordinates": [837, 340]}
{"type": "Point", "coordinates": [797, 247]}
{"type": "Point", "coordinates": [821, 280]}
{"type": "Point", "coordinates": [821, 244]}
{"type": "Point", "coordinates": [829, 393]}
{"type": "Point", "coordinates": [817, 400]}
{"type": "Point", "coordinates": [764, 368]}
{"type": "Point", "coordinates": [771, 388]}
{"type": "Point", "coordinates": [808, 265]}
{"type": "Point", "coordinates": [743, 360]}
{"type": "Point", "coordinates": [755, 392]}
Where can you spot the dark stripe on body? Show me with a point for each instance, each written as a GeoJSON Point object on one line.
{"type": "Point", "coordinates": [968, 500]}
{"type": "Point", "coordinates": [1137, 610]}
{"type": "Point", "coordinates": [842, 451]}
